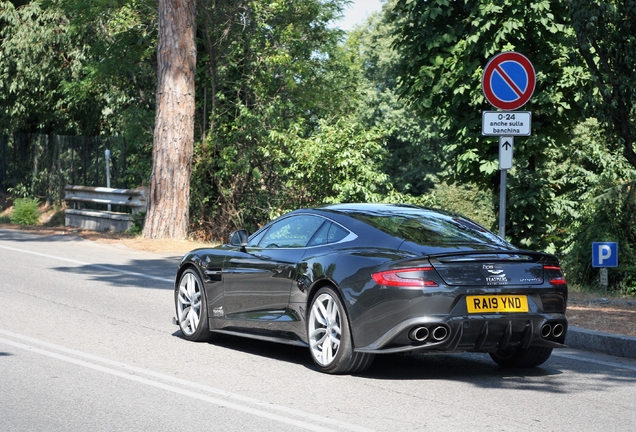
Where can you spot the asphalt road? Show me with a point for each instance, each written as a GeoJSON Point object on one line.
{"type": "Point", "coordinates": [86, 343]}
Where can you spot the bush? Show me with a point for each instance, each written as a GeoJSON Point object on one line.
{"type": "Point", "coordinates": [609, 216]}
{"type": "Point", "coordinates": [467, 200]}
{"type": "Point", "coordinates": [25, 211]}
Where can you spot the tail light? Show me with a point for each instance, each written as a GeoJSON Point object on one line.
{"type": "Point", "coordinates": [416, 277]}
{"type": "Point", "coordinates": [559, 279]}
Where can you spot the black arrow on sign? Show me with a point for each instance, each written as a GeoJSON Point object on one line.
{"type": "Point", "coordinates": [506, 145]}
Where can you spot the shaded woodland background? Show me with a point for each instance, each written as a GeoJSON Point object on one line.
{"type": "Point", "coordinates": [293, 112]}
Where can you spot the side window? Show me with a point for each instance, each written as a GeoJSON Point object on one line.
{"type": "Point", "coordinates": [291, 232]}
{"type": "Point", "coordinates": [322, 235]}
{"type": "Point", "coordinates": [336, 233]}
{"type": "Point", "coordinates": [328, 233]}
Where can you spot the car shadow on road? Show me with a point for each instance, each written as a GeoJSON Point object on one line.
{"type": "Point", "coordinates": [476, 369]}
{"type": "Point", "coordinates": [142, 273]}
{"type": "Point", "coordinates": [25, 237]}
{"type": "Point", "coordinates": [556, 375]}
{"type": "Point", "coordinates": [391, 366]}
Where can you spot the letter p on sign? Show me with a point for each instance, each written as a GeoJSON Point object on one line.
{"type": "Point", "coordinates": [605, 254]}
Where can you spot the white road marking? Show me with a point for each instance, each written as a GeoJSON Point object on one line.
{"type": "Point", "coordinates": [103, 267]}
{"type": "Point", "coordinates": [309, 421]}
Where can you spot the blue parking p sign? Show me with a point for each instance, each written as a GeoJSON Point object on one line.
{"type": "Point", "coordinates": [605, 254]}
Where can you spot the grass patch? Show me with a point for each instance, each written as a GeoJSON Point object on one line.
{"type": "Point", "coordinates": [598, 290]}
{"type": "Point", "coordinates": [26, 211]}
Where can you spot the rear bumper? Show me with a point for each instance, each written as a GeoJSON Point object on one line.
{"type": "Point", "coordinates": [482, 333]}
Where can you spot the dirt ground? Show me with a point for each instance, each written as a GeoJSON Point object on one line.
{"type": "Point", "coordinates": [604, 313]}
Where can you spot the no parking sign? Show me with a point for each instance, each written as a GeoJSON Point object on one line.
{"type": "Point", "coordinates": [508, 81]}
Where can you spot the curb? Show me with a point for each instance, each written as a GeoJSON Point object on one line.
{"type": "Point", "coordinates": [596, 341]}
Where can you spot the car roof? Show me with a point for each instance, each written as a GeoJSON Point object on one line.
{"type": "Point", "coordinates": [375, 208]}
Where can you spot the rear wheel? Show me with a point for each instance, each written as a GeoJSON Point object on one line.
{"type": "Point", "coordinates": [330, 341]}
{"type": "Point", "coordinates": [521, 358]}
{"type": "Point", "coordinates": [191, 305]}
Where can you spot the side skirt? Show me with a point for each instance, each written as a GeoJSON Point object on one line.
{"type": "Point", "coordinates": [268, 338]}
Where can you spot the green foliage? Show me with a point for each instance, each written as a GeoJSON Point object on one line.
{"type": "Point", "coordinates": [596, 204]}
{"type": "Point", "coordinates": [444, 46]}
{"type": "Point", "coordinates": [611, 216]}
{"type": "Point", "coordinates": [138, 223]}
{"type": "Point", "coordinates": [605, 32]}
{"type": "Point", "coordinates": [338, 163]}
{"type": "Point", "coordinates": [467, 200]}
{"type": "Point", "coordinates": [267, 69]}
{"type": "Point", "coordinates": [25, 211]}
{"type": "Point", "coordinates": [413, 157]}
{"type": "Point", "coordinates": [73, 67]}
{"type": "Point", "coordinates": [35, 56]}
{"type": "Point", "coordinates": [20, 190]}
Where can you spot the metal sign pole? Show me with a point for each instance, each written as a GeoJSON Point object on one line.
{"type": "Point", "coordinates": [107, 154]}
{"type": "Point", "coordinates": [506, 144]}
{"type": "Point", "coordinates": [502, 204]}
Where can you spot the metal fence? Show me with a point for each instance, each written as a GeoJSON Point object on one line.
{"type": "Point", "coordinates": [41, 165]}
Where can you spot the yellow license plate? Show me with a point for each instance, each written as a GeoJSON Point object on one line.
{"type": "Point", "coordinates": [497, 303]}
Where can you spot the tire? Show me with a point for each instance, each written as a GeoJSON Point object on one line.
{"type": "Point", "coordinates": [521, 358]}
{"type": "Point", "coordinates": [191, 305]}
{"type": "Point", "coordinates": [329, 336]}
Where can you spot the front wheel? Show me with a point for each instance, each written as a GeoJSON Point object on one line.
{"type": "Point", "coordinates": [329, 334]}
{"type": "Point", "coordinates": [191, 306]}
{"type": "Point", "coordinates": [521, 358]}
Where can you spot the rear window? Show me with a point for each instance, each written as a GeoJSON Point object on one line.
{"type": "Point", "coordinates": [430, 228]}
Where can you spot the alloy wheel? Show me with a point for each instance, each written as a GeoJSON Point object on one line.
{"type": "Point", "coordinates": [324, 329]}
{"type": "Point", "coordinates": [189, 303]}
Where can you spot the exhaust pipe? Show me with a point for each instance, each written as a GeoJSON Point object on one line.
{"type": "Point", "coordinates": [418, 334]}
{"type": "Point", "coordinates": [440, 333]}
{"type": "Point", "coordinates": [546, 330]}
{"type": "Point", "coordinates": [557, 330]}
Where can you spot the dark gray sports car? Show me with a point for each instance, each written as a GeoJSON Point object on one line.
{"type": "Point", "coordinates": [354, 280]}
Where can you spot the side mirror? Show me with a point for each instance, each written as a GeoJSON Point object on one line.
{"type": "Point", "coordinates": [239, 238]}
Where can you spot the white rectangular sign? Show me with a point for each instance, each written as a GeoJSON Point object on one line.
{"type": "Point", "coordinates": [506, 123]}
{"type": "Point", "coordinates": [505, 152]}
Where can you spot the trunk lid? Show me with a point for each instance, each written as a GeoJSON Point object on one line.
{"type": "Point", "coordinates": [490, 269]}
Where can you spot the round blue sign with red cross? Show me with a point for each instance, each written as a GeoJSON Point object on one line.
{"type": "Point", "coordinates": [508, 81]}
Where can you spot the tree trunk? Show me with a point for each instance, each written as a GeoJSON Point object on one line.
{"type": "Point", "coordinates": [168, 207]}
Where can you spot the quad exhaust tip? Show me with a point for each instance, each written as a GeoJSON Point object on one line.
{"type": "Point", "coordinates": [440, 333]}
{"type": "Point", "coordinates": [555, 330]}
{"type": "Point", "coordinates": [546, 330]}
{"type": "Point", "coordinates": [420, 334]}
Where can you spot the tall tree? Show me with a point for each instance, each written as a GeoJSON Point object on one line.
{"type": "Point", "coordinates": [168, 207]}
{"type": "Point", "coordinates": [37, 55]}
{"type": "Point", "coordinates": [444, 47]}
{"type": "Point", "coordinates": [268, 68]}
{"type": "Point", "coordinates": [414, 156]}
{"type": "Point", "coordinates": [605, 31]}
